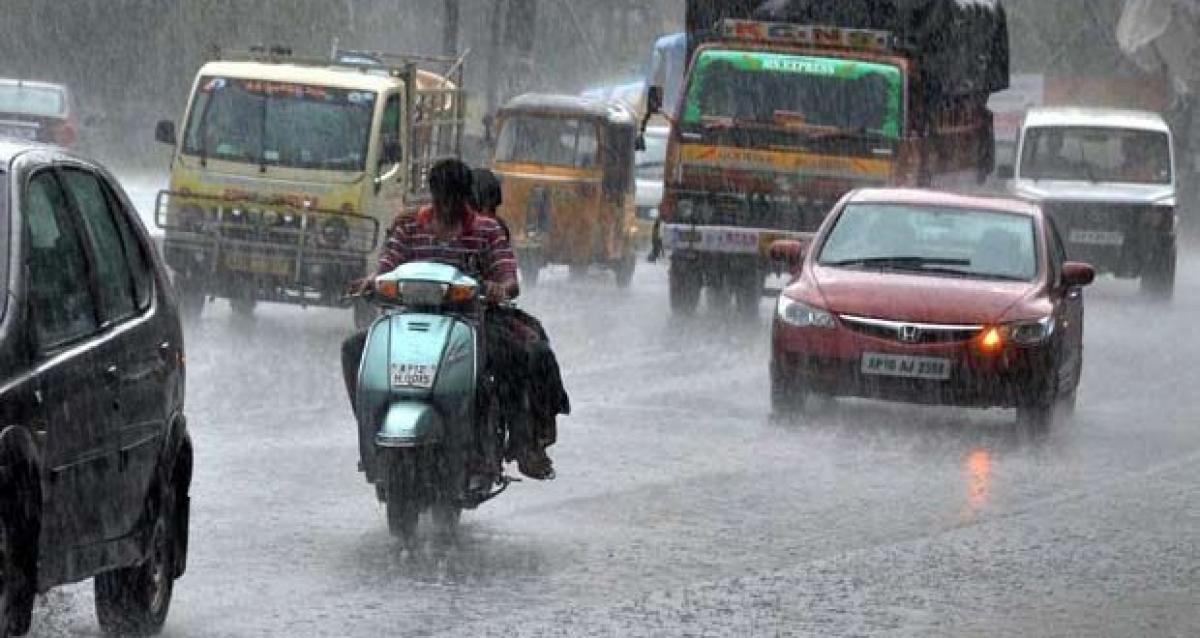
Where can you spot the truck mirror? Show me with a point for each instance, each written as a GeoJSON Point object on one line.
{"type": "Point", "coordinates": [164, 132]}
{"type": "Point", "coordinates": [654, 100]}
{"type": "Point", "coordinates": [1005, 171]}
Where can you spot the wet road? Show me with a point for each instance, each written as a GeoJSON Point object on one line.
{"type": "Point", "coordinates": [681, 509]}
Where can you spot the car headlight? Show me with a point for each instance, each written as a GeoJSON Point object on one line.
{"type": "Point", "coordinates": [1030, 333]}
{"type": "Point", "coordinates": [803, 315]}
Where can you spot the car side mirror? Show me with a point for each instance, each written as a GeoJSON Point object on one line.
{"type": "Point", "coordinates": [1076, 274]}
{"type": "Point", "coordinates": [654, 100]}
{"type": "Point", "coordinates": [788, 253]}
{"type": "Point", "coordinates": [164, 132]}
{"type": "Point", "coordinates": [1005, 171]}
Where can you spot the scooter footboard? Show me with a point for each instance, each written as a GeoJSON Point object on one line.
{"type": "Point", "coordinates": [410, 424]}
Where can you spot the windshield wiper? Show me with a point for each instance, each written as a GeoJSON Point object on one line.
{"type": "Point", "coordinates": [900, 263]}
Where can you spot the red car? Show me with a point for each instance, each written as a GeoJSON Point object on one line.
{"type": "Point", "coordinates": [925, 297]}
{"type": "Point", "coordinates": [36, 111]}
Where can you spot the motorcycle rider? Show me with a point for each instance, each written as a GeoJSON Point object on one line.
{"type": "Point", "coordinates": [450, 231]}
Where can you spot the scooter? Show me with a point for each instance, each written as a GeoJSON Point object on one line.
{"type": "Point", "coordinates": [430, 429]}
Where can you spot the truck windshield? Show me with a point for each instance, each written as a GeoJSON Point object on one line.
{"type": "Point", "coordinates": [938, 240]}
{"type": "Point", "coordinates": [1096, 154]}
{"type": "Point", "coordinates": [557, 141]}
{"type": "Point", "coordinates": [280, 124]}
{"type": "Point", "coordinates": [803, 92]}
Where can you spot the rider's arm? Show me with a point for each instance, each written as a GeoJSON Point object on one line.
{"type": "Point", "coordinates": [501, 267]}
{"type": "Point", "coordinates": [395, 247]}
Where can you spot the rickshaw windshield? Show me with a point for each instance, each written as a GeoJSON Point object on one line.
{"type": "Point", "coordinates": [557, 141]}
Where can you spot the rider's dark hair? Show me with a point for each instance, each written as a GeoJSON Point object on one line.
{"type": "Point", "coordinates": [487, 189]}
{"type": "Point", "coordinates": [450, 185]}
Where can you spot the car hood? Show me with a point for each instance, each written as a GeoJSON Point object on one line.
{"type": "Point", "coordinates": [916, 298]}
{"type": "Point", "coordinates": [1052, 190]}
{"type": "Point", "coordinates": [649, 192]}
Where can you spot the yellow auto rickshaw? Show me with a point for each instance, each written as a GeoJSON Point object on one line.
{"type": "Point", "coordinates": [566, 168]}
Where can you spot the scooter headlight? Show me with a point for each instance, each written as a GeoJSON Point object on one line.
{"type": "Point", "coordinates": [802, 315]}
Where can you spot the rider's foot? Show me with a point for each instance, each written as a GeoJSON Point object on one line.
{"type": "Point", "coordinates": [535, 464]}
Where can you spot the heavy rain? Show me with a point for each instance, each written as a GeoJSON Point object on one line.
{"type": "Point", "coordinates": [618, 318]}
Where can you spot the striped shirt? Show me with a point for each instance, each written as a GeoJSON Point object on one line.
{"type": "Point", "coordinates": [480, 250]}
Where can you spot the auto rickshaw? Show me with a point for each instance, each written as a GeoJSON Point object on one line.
{"type": "Point", "coordinates": [566, 168]}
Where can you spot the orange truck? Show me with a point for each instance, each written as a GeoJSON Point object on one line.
{"type": "Point", "coordinates": [788, 106]}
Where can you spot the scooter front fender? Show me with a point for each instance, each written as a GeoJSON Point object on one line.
{"type": "Point", "coordinates": [410, 424]}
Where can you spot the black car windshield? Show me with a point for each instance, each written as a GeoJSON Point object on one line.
{"type": "Point", "coordinates": [937, 240]}
{"type": "Point", "coordinates": [556, 141]}
{"type": "Point", "coordinates": [1096, 155]}
{"type": "Point", "coordinates": [280, 124]}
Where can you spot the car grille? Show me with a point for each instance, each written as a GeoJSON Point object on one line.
{"type": "Point", "coordinates": [910, 333]}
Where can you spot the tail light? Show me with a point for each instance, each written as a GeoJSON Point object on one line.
{"type": "Point", "coordinates": [63, 133]}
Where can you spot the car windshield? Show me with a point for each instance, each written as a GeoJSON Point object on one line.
{"type": "Point", "coordinates": [280, 124]}
{"type": "Point", "coordinates": [651, 161]}
{"type": "Point", "coordinates": [936, 240]}
{"type": "Point", "coordinates": [795, 91]}
{"type": "Point", "coordinates": [1096, 154]}
{"type": "Point", "coordinates": [557, 141]}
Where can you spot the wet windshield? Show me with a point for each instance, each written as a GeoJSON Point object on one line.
{"type": "Point", "coordinates": [936, 240]}
{"type": "Point", "coordinates": [556, 141]}
{"type": "Point", "coordinates": [803, 92]}
{"type": "Point", "coordinates": [32, 100]}
{"type": "Point", "coordinates": [280, 124]}
{"type": "Point", "coordinates": [1096, 155]}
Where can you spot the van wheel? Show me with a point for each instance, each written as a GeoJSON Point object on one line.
{"type": "Point", "coordinates": [134, 601]}
{"type": "Point", "coordinates": [1158, 277]}
{"type": "Point", "coordinates": [684, 288]}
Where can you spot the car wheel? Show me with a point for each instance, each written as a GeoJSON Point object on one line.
{"type": "Point", "coordinates": [191, 298]}
{"type": "Point", "coordinates": [1035, 419]}
{"type": "Point", "coordinates": [18, 557]}
{"type": "Point", "coordinates": [1158, 278]}
{"type": "Point", "coordinates": [684, 289]}
{"type": "Point", "coordinates": [134, 601]}
{"type": "Point", "coordinates": [788, 398]}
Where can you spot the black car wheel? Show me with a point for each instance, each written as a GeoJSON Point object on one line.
{"type": "Point", "coordinates": [18, 557]}
{"type": "Point", "coordinates": [134, 601]}
{"type": "Point", "coordinates": [684, 284]}
{"type": "Point", "coordinates": [788, 397]}
{"type": "Point", "coordinates": [1158, 277]}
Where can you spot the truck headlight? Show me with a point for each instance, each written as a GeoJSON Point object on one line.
{"type": "Point", "coordinates": [802, 315]}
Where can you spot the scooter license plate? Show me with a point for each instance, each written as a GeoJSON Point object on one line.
{"type": "Point", "coordinates": [409, 375]}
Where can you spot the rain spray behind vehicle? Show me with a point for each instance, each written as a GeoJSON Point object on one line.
{"type": "Point", "coordinates": [789, 105]}
{"type": "Point", "coordinates": [287, 168]}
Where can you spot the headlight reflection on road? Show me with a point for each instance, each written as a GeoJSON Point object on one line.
{"type": "Point", "coordinates": [977, 468]}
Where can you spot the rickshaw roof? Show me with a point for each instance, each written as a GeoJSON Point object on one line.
{"type": "Point", "coordinates": [611, 111]}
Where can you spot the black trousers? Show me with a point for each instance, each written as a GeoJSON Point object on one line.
{"type": "Point", "coordinates": [529, 379]}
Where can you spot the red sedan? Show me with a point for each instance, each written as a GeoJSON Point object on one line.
{"type": "Point", "coordinates": [926, 297]}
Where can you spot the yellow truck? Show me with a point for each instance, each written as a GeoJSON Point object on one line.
{"type": "Point", "coordinates": [288, 170]}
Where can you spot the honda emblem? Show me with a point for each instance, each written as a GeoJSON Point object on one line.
{"type": "Point", "coordinates": [910, 334]}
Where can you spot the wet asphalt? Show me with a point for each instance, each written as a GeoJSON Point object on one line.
{"type": "Point", "coordinates": [681, 508]}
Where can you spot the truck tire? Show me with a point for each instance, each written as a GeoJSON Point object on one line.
{"type": "Point", "coordinates": [191, 298]}
{"type": "Point", "coordinates": [1158, 277]}
{"type": "Point", "coordinates": [684, 284]}
{"type": "Point", "coordinates": [134, 601]}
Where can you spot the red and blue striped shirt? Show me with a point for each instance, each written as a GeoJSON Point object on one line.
{"type": "Point", "coordinates": [480, 250]}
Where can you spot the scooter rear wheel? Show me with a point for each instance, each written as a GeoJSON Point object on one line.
{"type": "Point", "coordinates": [403, 509]}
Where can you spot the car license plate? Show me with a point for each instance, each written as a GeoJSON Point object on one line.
{"type": "Point", "coordinates": [1097, 237]}
{"type": "Point", "coordinates": [19, 132]}
{"type": "Point", "coordinates": [891, 365]}
{"type": "Point", "coordinates": [256, 264]}
{"type": "Point", "coordinates": [413, 375]}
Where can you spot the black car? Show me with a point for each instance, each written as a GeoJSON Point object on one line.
{"type": "Point", "coordinates": [95, 457]}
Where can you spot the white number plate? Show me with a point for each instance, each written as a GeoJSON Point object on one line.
{"type": "Point", "coordinates": [1097, 237]}
{"type": "Point", "coordinates": [408, 375]}
{"type": "Point", "coordinates": [890, 365]}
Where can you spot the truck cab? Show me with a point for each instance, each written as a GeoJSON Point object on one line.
{"type": "Point", "coordinates": [286, 170]}
{"type": "Point", "coordinates": [1107, 179]}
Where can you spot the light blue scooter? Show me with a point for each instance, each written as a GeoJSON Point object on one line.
{"type": "Point", "coordinates": [430, 431]}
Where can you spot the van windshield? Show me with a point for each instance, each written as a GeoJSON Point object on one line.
{"type": "Point", "coordinates": [280, 124]}
{"type": "Point", "coordinates": [794, 91]}
{"type": "Point", "coordinates": [1096, 154]}
{"type": "Point", "coordinates": [557, 141]}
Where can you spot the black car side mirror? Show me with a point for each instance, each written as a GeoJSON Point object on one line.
{"type": "Point", "coordinates": [164, 132]}
{"type": "Point", "coordinates": [1076, 274]}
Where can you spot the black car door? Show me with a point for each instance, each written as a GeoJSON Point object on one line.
{"type": "Point", "coordinates": [133, 352]}
{"type": "Point", "coordinates": [74, 406]}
